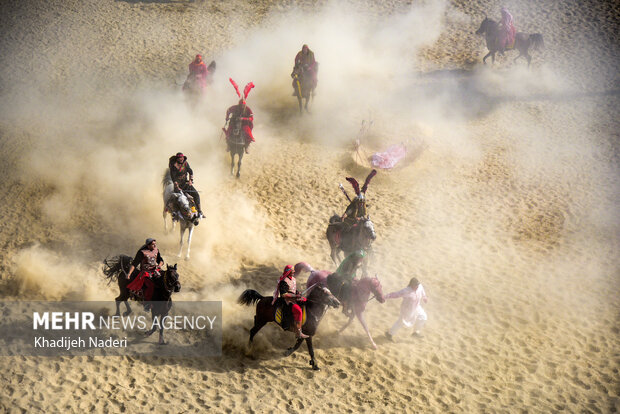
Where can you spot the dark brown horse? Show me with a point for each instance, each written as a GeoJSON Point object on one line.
{"type": "Point", "coordinates": [116, 268]}
{"type": "Point", "coordinates": [354, 297]}
{"type": "Point", "coordinates": [523, 41]}
{"type": "Point", "coordinates": [303, 86]}
{"type": "Point", "coordinates": [316, 305]}
{"type": "Point", "coordinates": [236, 144]}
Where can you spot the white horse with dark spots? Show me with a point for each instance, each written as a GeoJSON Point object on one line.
{"type": "Point", "coordinates": [180, 208]}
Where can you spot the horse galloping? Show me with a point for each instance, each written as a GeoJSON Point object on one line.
{"type": "Point", "coordinates": [523, 41]}
{"type": "Point", "coordinates": [116, 269]}
{"type": "Point", "coordinates": [180, 209]}
{"type": "Point", "coordinates": [303, 85]}
{"type": "Point", "coordinates": [316, 305]}
{"type": "Point", "coordinates": [355, 299]}
{"type": "Point", "coordinates": [236, 145]}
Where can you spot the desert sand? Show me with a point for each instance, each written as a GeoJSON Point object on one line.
{"type": "Point", "coordinates": [508, 216]}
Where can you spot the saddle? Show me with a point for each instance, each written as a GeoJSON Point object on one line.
{"type": "Point", "coordinates": [283, 315]}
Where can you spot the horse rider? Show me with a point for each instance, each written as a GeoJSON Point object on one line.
{"type": "Point", "coordinates": [199, 74]}
{"type": "Point", "coordinates": [150, 261]}
{"type": "Point", "coordinates": [305, 61]}
{"type": "Point", "coordinates": [179, 171]}
{"type": "Point", "coordinates": [346, 273]}
{"type": "Point", "coordinates": [240, 113]}
{"type": "Point", "coordinates": [507, 31]}
{"type": "Point", "coordinates": [287, 289]}
{"type": "Point", "coordinates": [356, 210]}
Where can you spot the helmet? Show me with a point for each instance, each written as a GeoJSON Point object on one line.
{"type": "Point", "coordinates": [241, 101]}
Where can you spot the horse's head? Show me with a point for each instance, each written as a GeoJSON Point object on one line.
{"type": "Point", "coordinates": [368, 229]}
{"type": "Point", "coordinates": [171, 279]}
{"type": "Point", "coordinates": [181, 205]}
{"type": "Point", "coordinates": [376, 289]}
{"type": "Point", "coordinates": [484, 26]}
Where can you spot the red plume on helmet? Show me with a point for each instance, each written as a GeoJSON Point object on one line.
{"type": "Point", "coordinates": [235, 86]}
{"type": "Point", "coordinates": [365, 186]}
{"type": "Point", "coordinates": [247, 89]}
{"type": "Point", "coordinates": [355, 185]}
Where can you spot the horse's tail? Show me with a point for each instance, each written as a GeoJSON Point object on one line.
{"type": "Point", "coordinates": [537, 41]}
{"type": "Point", "coordinates": [249, 297]}
{"type": "Point", "coordinates": [112, 268]}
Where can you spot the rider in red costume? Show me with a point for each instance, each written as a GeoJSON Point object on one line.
{"type": "Point", "coordinates": [244, 113]}
{"type": "Point", "coordinates": [507, 31]}
{"type": "Point", "coordinates": [199, 74]}
{"type": "Point", "coordinates": [287, 289]}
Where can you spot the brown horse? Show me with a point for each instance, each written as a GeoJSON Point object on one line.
{"type": "Point", "coordinates": [523, 41]}
{"type": "Point", "coordinates": [354, 298]}
{"type": "Point", "coordinates": [316, 305]}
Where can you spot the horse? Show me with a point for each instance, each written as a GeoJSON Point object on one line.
{"type": "Point", "coordinates": [303, 85]}
{"type": "Point", "coordinates": [357, 297]}
{"type": "Point", "coordinates": [117, 267]}
{"type": "Point", "coordinates": [236, 144]}
{"type": "Point", "coordinates": [178, 205]}
{"type": "Point", "coordinates": [523, 41]}
{"type": "Point", "coordinates": [316, 305]}
{"type": "Point", "coordinates": [359, 237]}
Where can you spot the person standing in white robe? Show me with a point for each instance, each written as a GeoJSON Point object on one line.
{"type": "Point", "coordinates": [411, 312]}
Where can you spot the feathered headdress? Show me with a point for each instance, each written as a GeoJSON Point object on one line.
{"type": "Point", "coordinates": [234, 84]}
{"type": "Point", "coordinates": [246, 90]}
{"type": "Point", "coordinates": [356, 186]}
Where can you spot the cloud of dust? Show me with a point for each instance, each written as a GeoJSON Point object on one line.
{"type": "Point", "coordinates": [104, 158]}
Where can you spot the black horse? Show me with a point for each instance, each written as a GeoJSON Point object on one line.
{"type": "Point", "coordinates": [303, 85]}
{"type": "Point", "coordinates": [117, 267]}
{"type": "Point", "coordinates": [316, 305]}
{"type": "Point", "coordinates": [236, 144]}
{"type": "Point", "coordinates": [359, 237]}
{"type": "Point", "coordinates": [523, 41]}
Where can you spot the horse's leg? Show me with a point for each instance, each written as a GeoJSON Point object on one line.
{"type": "Point", "coordinates": [239, 163]}
{"type": "Point", "coordinates": [360, 317]}
{"type": "Point", "coordinates": [232, 162]}
{"type": "Point", "coordinates": [161, 334]}
{"type": "Point", "coordinates": [118, 304]}
{"type": "Point", "coordinates": [311, 352]}
{"type": "Point", "coordinates": [334, 255]}
{"type": "Point", "coordinates": [300, 104]}
{"type": "Point", "coordinates": [128, 312]}
{"type": "Point", "coordinates": [346, 325]}
{"type": "Point", "coordinates": [258, 324]}
{"type": "Point", "coordinates": [294, 348]}
{"type": "Point", "coordinates": [529, 59]}
{"type": "Point", "coordinates": [493, 57]}
{"type": "Point", "coordinates": [182, 230]}
{"type": "Point", "coordinates": [165, 222]}
{"type": "Point", "coordinates": [189, 240]}
{"type": "Point", "coordinates": [484, 59]}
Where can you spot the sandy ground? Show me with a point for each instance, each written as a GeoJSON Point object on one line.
{"type": "Point", "coordinates": [509, 216]}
